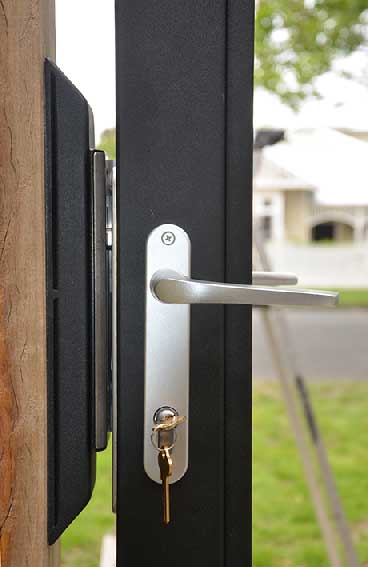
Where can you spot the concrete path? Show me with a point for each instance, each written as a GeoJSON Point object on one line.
{"type": "Point", "coordinates": [108, 551]}
{"type": "Point", "coordinates": [331, 344]}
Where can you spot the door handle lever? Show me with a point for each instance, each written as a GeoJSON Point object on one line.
{"type": "Point", "coordinates": [169, 286]}
{"type": "Point", "coordinates": [274, 278]}
{"type": "Point", "coordinates": [169, 291]}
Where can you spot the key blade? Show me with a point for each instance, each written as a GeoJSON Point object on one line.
{"type": "Point", "coordinates": [166, 498]}
{"type": "Point", "coordinates": [165, 464]}
{"type": "Point", "coordinates": [169, 462]}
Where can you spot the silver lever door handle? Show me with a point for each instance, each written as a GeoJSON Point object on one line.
{"type": "Point", "coordinates": [169, 291]}
{"type": "Point", "coordinates": [170, 287]}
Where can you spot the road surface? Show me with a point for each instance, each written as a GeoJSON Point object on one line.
{"type": "Point", "coordinates": [331, 344]}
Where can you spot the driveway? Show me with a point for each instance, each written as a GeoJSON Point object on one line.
{"type": "Point", "coordinates": [330, 344]}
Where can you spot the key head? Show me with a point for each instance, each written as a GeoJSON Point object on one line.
{"type": "Point", "coordinates": [165, 463]}
{"type": "Point", "coordinates": [172, 421]}
{"type": "Point", "coordinates": [168, 423]}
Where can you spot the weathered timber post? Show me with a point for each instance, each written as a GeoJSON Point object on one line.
{"type": "Point", "coordinates": [27, 35]}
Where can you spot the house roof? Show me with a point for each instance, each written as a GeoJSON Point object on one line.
{"type": "Point", "coordinates": [343, 105]}
{"type": "Point", "coordinates": [268, 176]}
{"type": "Point", "coordinates": [332, 162]}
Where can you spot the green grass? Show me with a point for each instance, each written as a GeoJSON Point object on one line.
{"type": "Point", "coordinates": [353, 297]}
{"type": "Point", "coordinates": [349, 297]}
{"type": "Point", "coordinates": [81, 542]}
{"type": "Point", "coordinates": [285, 532]}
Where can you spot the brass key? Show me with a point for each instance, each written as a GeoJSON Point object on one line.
{"type": "Point", "coordinates": [165, 464]}
{"type": "Point", "coordinates": [169, 423]}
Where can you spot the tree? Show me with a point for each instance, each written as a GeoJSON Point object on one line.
{"type": "Point", "coordinates": [298, 40]}
{"type": "Point", "coordinates": [108, 142]}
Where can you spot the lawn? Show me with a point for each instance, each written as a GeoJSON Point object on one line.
{"type": "Point", "coordinates": [353, 297]}
{"type": "Point", "coordinates": [350, 297]}
{"type": "Point", "coordinates": [82, 540]}
{"type": "Point", "coordinates": [285, 533]}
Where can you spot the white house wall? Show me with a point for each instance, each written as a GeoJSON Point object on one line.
{"type": "Point", "coordinates": [344, 266]}
{"type": "Point", "coordinates": [275, 210]}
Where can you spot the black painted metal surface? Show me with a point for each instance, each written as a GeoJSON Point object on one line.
{"type": "Point", "coordinates": [71, 454]}
{"type": "Point", "coordinates": [184, 125]}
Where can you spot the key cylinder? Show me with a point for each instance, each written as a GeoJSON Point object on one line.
{"type": "Point", "coordinates": [165, 438]}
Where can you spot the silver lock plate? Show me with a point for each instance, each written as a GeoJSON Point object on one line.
{"type": "Point", "coordinates": [166, 348]}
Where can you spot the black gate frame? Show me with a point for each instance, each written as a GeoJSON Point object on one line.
{"type": "Point", "coordinates": [184, 133]}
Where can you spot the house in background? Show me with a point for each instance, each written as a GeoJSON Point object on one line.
{"type": "Point", "coordinates": [281, 202]}
{"type": "Point", "coordinates": [311, 185]}
{"type": "Point", "coordinates": [311, 181]}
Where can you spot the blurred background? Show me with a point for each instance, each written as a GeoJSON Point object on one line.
{"type": "Point", "coordinates": [311, 214]}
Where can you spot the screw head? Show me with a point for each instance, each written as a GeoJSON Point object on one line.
{"type": "Point", "coordinates": [168, 238]}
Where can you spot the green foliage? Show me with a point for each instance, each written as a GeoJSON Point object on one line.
{"type": "Point", "coordinates": [108, 142]}
{"type": "Point", "coordinates": [297, 40]}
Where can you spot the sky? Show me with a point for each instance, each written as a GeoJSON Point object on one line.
{"type": "Point", "coordinates": [343, 102]}
{"type": "Point", "coordinates": [85, 51]}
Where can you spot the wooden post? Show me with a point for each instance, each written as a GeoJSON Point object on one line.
{"type": "Point", "coordinates": [27, 34]}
